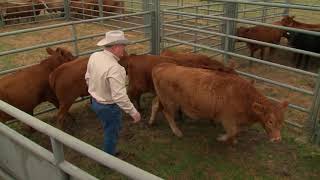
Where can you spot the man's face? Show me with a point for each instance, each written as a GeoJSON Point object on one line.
{"type": "Point", "coordinates": [119, 50]}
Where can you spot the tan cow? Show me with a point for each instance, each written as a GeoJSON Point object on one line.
{"type": "Point", "coordinates": [215, 95]}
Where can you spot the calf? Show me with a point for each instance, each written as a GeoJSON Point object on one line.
{"type": "Point", "coordinates": [216, 95]}
{"type": "Point", "coordinates": [27, 88]}
{"type": "Point", "coordinates": [68, 83]}
{"type": "Point", "coordinates": [290, 22]}
{"type": "Point", "coordinates": [305, 42]}
{"type": "Point", "coordinates": [260, 33]}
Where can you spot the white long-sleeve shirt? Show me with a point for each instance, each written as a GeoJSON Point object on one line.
{"type": "Point", "coordinates": [105, 78]}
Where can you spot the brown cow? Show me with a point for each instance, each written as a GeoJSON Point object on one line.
{"type": "Point", "coordinates": [14, 11]}
{"type": "Point", "coordinates": [68, 83]}
{"type": "Point", "coordinates": [260, 33]}
{"type": "Point", "coordinates": [91, 7]}
{"type": "Point", "coordinates": [70, 76]}
{"type": "Point", "coordinates": [290, 22]}
{"type": "Point", "coordinates": [27, 88]}
{"type": "Point", "coordinates": [216, 95]}
{"type": "Point", "coordinates": [140, 67]}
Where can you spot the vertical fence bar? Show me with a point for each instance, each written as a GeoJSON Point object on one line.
{"type": "Point", "coordinates": [74, 39]}
{"type": "Point", "coordinates": [162, 31]}
{"type": "Point", "coordinates": [313, 115]}
{"type": "Point", "coordinates": [195, 36]}
{"type": "Point", "coordinates": [33, 11]}
{"type": "Point", "coordinates": [66, 9]}
{"type": "Point", "coordinates": [264, 12]}
{"type": "Point", "coordinates": [100, 4]}
{"type": "Point", "coordinates": [286, 10]}
{"type": "Point", "coordinates": [2, 21]}
{"type": "Point", "coordinates": [58, 154]}
{"type": "Point", "coordinates": [155, 24]}
{"type": "Point", "coordinates": [147, 17]}
{"type": "Point", "coordinates": [229, 28]}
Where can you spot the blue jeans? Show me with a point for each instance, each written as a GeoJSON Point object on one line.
{"type": "Point", "coordinates": [110, 116]}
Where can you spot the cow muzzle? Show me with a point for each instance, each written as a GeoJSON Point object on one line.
{"type": "Point", "coordinates": [275, 136]}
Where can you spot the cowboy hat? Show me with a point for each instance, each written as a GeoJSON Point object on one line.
{"type": "Point", "coordinates": [113, 38]}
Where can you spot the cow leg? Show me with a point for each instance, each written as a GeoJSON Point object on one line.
{"type": "Point", "coordinates": [299, 59]}
{"type": "Point", "coordinates": [306, 62]}
{"type": "Point", "coordinates": [63, 111]}
{"type": "Point", "coordinates": [135, 96]}
{"type": "Point", "coordinates": [169, 115]}
{"type": "Point", "coordinates": [154, 110]}
{"type": "Point", "coordinates": [231, 131]}
{"type": "Point", "coordinates": [262, 53]}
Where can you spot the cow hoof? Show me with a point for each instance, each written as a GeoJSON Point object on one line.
{"type": "Point", "coordinates": [222, 137]}
{"type": "Point", "coordinates": [179, 134]}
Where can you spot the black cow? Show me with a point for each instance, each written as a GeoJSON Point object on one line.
{"type": "Point", "coordinates": [305, 42]}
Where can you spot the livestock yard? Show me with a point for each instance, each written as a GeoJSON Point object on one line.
{"type": "Point", "coordinates": [198, 26]}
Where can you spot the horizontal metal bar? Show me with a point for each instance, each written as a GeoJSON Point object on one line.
{"type": "Point", "coordinates": [92, 51]}
{"type": "Point", "coordinates": [43, 153]}
{"type": "Point", "coordinates": [75, 172]}
{"type": "Point", "coordinates": [277, 83]}
{"type": "Point", "coordinates": [197, 5]}
{"type": "Point", "coordinates": [71, 23]}
{"type": "Point", "coordinates": [255, 60]}
{"type": "Point", "coordinates": [257, 77]}
{"type": "Point", "coordinates": [280, 5]}
{"type": "Point", "coordinates": [35, 47]}
{"type": "Point", "coordinates": [293, 106]}
{"type": "Point", "coordinates": [5, 176]}
{"type": "Point", "coordinates": [244, 21]}
{"type": "Point", "coordinates": [58, 42]}
{"type": "Point", "coordinates": [256, 42]}
{"type": "Point", "coordinates": [78, 145]}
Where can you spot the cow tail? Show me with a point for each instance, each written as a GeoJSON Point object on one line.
{"type": "Point", "coordinates": [52, 80]}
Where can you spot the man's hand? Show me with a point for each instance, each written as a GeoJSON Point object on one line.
{"type": "Point", "coordinates": [136, 117]}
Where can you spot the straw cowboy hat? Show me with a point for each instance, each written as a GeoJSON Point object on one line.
{"type": "Point", "coordinates": [113, 38]}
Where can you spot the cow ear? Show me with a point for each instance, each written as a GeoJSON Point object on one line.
{"type": "Point", "coordinates": [253, 82]}
{"type": "Point", "coordinates": [258, 108]}
{"type": "Point", "coordinates": [284, 104]}
{"type": "Point", "coordinates": [50, 51]}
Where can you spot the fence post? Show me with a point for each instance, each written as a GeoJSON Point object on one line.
{"type": "Point", "coordinates": [264, 12]}
{"type": "Point", "coordinates": [67, 9]}
{"type": "Point", "coordinates": [229, 28]}
{"type": "Point", "coordinates": [58, 154]}
{"type": "Point", "coordinates": [286, 10]}
{"type": "Point", "coordinates": [195, 36]}
{"type": "Point", "coordinates": [33, 10]}
{"type": "Point", "coordinates": [155, 24]}
{"type": "Point", "coordinates": [100, 2]}
{"type": "Point", "coordinates": [2, 21]}
{"type": "Point", "coordinates": [313, 115]}
{"type": "Point", "coordinates": [74, 39]}
{"type": "Point", "coordinates": [147, 17]}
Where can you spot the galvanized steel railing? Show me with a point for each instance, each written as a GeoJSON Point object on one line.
{"type": "Point", "coordinates": [59, 139]}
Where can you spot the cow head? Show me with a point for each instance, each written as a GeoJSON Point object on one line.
{"type": "Point", "coordinates": [167, 52]}
{"type": "Point", "coordinates": [241, 32]}
{"type": "Point", "coordinates": [287, 21]}
{"type": "Point", "coordinates": [271, 117]}
{"type": "Point", "coordinates": [64, 53]}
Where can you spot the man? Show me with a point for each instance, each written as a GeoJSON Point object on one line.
{"type": "Point", "coordinates": [106, 84]}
